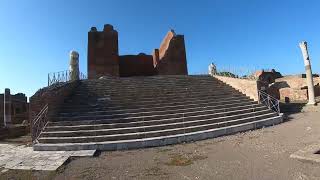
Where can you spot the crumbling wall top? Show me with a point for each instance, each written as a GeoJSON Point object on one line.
{"type": "Point", "coordinates": [108, 28]}
{"type": "Point", "coordinates": [166, 42]}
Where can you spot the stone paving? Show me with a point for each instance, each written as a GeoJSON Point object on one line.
{"type": "Point", "coordinates": [13, 156]}
{"type": "Point", "coordinates": [309, 153]}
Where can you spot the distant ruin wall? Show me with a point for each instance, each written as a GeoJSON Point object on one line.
{"type": "Point", "coordinates": [293, 95]}
{"type": "Point", "coordinates": [245, 86]}
{"type": "Point", "coordinates": [19, 108]}
{"type": "Point", "coordinates": [103, 53]}
{"type": "Point", "coordinates": [172, 56]}
{"type": "Point", "coordinates": [293, 88]}
{"type": "Point", "coordinates": [136, 65]}
{"type": "Point", "coordinates": [164, 46]}
{"type": "Point", "coordinates": [104, 59]}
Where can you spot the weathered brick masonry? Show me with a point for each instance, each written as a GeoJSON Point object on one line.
{"type": "Point", "coordinates": [19, 108]}
{"type": "Point", "coordinates": [53, 95]}
{"type": "Point", "coordinates": [104, 58]}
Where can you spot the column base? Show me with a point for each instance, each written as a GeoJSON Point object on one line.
{"type": "Point", "coordinates": [312, 103]}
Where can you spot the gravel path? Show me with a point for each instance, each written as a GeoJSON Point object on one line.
{"type": "Point", "coordinates": [260, 154]}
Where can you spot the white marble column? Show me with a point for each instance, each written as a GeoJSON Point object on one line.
{"type": "Point", "coordinates": [307, 65]}
{"type": "Point", "coordinates": [7, 107]}
{"type": "Point", "coordinates": [74, 66]}
{"type": "Point", "coordinates": [212, 69]}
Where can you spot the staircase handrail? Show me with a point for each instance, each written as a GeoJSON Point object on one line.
{"type": "Point", "coordinates": [62, 76]}
{"type": "Point", "coordinates": [269, 101]}
{"type": "Point", "coordinates": [40, 121]}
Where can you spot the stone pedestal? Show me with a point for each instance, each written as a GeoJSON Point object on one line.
{"type": "Point", "coordinates": [307, 64]}
{"type": "Point", "coordinates": [7, 108]}
{"type": "Point", "coordinates": [74, 66]}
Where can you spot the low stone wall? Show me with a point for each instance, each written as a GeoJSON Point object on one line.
{"type": "Point", "coordinates": [245, 86]}
{"type": "Point", "coordinates": [290, 94]}
{"type": "Point", "coordinates": [13, 131]}
{"type": "Point", "coordinates": [293, 88]}
{"type": "Point", "coordinates": [296, 82]}
{"type": "Point", "coordinates": [53, 95]}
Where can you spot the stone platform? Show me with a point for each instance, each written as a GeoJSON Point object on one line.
{"type": "Point", "coordinates": [13, 156]}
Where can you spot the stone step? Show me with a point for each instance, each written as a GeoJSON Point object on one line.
{"type": "Point", "coordinates": [162, 110]}
{"type": "Point", "coordinates": [160, 140]}
{"type": "Point", "coordinates": [240, 108]}
{"type": "Point", "coordinates": [162, 106]}
{"type": "Point", "coordinates": [135, 84]}
{"type": "Point", "coordinates": [124, 113]}
{"type": "Point", "coordinates": [149, 134]}
{"type": "Point", "coordinates": [139, 104]}
{"type": "Point", "coordinates": [158, 96]}
{"type": "Point", "coordinates": [142, 128]}
{"type": "Point", "coordinates": [151, 91]}
{"type": "Point", "coordinates": [104, 124]}
{"type": "Point", "coordinates": [155, 85]}
{"type": "Point", "coordinates": [149, 80]}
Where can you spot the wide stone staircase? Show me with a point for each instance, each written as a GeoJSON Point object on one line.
{"type": "Point", "coordinates": [136, 112]}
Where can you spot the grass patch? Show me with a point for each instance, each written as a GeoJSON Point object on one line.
{"type": "Point", "coordinates": [184, 159]}
{"type": "Point", "coordinates": [163, 150]}
{"type": "Point", "coordinates": [199, 157]}
{"type": "Point", "coordinates": [179, 160]}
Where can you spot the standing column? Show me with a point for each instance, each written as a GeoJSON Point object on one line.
{"type": "Point", "coordinates": [74, 65]}
{"type": "Point", "coordinates": [212, 69]}
{"type": "Point", "coordinates": [307, 65]}
{"type": "Point", "coordinates": [7, 107]}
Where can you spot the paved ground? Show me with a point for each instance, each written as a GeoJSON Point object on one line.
{"type": "Point", "coordinates": [22, 157]}
{"type": "Point", "coordinates": [17, 154]}
{"type": "Point", "coordinates": [261, 154]}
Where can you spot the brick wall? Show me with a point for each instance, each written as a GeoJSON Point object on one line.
{"type": "Point", "coordinates": [53, 95]}
{"type": "Point", "coordinates": [103, 53]}
{"type": "Point", "coordinates": [104, 59]}
{"type": "Point", "coordinates": [136, 65]}
{"type": "Point", "coordinates": [245, 86]}
{"type": "Point", "coordinates": [172, 56]}
{"type": "Point", "coordinates": [13, 131]}
{"type": "Point", "coordinates": [293, 88]}
{"type": "Point", "coordinates": [293, 95]}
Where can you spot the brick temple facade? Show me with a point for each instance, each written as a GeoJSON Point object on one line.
{"type": "Point", "coordinates": [104, 58]}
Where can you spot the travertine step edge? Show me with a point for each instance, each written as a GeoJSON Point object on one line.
{"type": "Point", "coordinates": [101, 122]}
{"type": "Point", "coordinates": [163, 129]}
{"type": "Point", "coordinates": [158, 97]}
{"type": "Point", "coordinates": [162, 140]}
{"type": "Point", "coordinates": [175, 102]}
{"type": "Point", "coordinates": [206, 105]}
{"type": "Point", "coordinates": [200, 111]}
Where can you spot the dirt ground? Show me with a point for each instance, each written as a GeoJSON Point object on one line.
{"type": "Point", "coordinates": [260, 155]}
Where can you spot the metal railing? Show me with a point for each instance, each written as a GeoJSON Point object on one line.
{"type": "Point", "coordinates": [62, 76]}
{"type": "Point", "coordinates": [39, 123]}
{"type": "Point", "coordinates": [269, 101]}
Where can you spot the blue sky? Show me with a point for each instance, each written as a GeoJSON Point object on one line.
{"type": "Point", "coordinates": [36, 36]}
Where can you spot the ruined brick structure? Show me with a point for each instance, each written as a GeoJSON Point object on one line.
{"type": "Point", "coordinates": [267, 76]}
{"type": "Point", "coordinates": [104, 58]}
{"type": "Point", "coordinates": [293, 88]}
{"type": "Point", "coordinates": [19, 108]}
